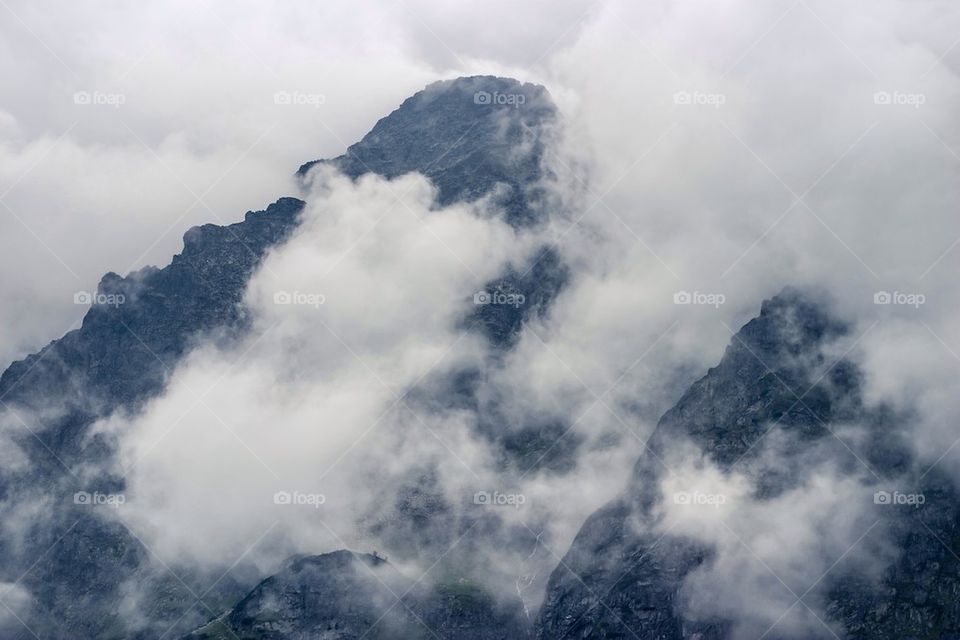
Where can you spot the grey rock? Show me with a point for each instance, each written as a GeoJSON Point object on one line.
{"type": "Point", "coordinates": [464, 144]}
{"type": "Point", "coordinates": [79, 563]}
{"type": "Point", "coordinates": [621, 580]}
{"type": "Point", "coordinates": [346, 596]}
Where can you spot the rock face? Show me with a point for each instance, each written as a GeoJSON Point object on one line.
{"type": "Point", "coordinates": [624, 578]}
{"type": "Point", "coordinates": [78, 562]}
{"type": "Point", "coordinates": [475, 137]}
{"type": "Point", "coordinates": [778, 390]}
{"type": "Point", "coordinates": [468, 136]}
{"type": "Point", "coordinates": [76, 558]}
{"type": "Point", "coordinates": [346, 596]}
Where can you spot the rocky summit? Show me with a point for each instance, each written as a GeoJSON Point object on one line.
{"type": "Point", "coordinates": [78, 563]}
{"type": "Point", "coordinates": [772, 409]}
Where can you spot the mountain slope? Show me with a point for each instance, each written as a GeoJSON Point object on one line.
{"type": "Point", "coordinates": [345, 595]}
{"type": "Point", "coordinates": [770, 410]}
{"type": "Point", "coordinates": [117, 359]}
{"type": "Point", "coordinates": [458, 135]}
{"type": "Point", "coordinates": [78, 561]}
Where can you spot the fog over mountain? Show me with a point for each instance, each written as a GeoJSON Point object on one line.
{"type": "Point", "coordinates": [570, 320]}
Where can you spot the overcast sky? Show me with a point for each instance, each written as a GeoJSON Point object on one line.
{"type": "Point", "coordinates": [187, 131]}
{"type": "Point", "coordinates": [90, 188]}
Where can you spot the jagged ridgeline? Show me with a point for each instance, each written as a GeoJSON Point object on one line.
{"type": "Point", "coordinates": [623, 577]}
{"type": "Point", "coordinates": [771, 410]}
{"type": "Point", "coordinates": [78, 563]}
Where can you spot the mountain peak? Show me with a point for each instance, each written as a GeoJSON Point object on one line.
{"type": "Point", "coordinates": [531, 93]}
{"type": "Point", "coordinates": [449, 129]}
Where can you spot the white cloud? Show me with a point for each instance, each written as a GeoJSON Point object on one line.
{"type": "Point", "coordinates": [358, 306]}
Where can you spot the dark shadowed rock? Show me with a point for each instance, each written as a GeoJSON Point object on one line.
{"type": "Point", "coordinates": [80, 557]}
{"type": "Point", "coordinates": [468, 135]}
{"type": "Point", "coordinates": [347, 596]}
{"type": "Point", "coordinates": [83, 561]}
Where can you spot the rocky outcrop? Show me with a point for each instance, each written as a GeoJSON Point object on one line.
{"type": "Point", "coordinates": [624, 578]}
{"type": "Point", "coordinates": [469, 136]}
{"type": "Point", "coordinates": [82, 561]}
{"type": "Point", "coordinates": [346, 596]}
{"type": "Point", "coordinates": [75, 558]}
